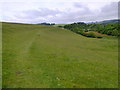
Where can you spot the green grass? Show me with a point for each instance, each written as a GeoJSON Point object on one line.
{"type": "Point", "coordinates": [36, 56]}
{"type": "Point", "coordinates": [56, 25]}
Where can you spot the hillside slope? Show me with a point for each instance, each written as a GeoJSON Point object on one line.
{"type": "Point", "coordinates": [36, 56]}
{"type": "Point", "coordinates": [114, 21]}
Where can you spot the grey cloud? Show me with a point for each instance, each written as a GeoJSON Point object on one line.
{"type": "Point", "coordinates": [83, 7]}
{"type": "Point", "coordinates": [45, 14]}
{"type": "Point", "coordinates": [110, 8]}
{"type": "Point", "coordinates": [82, 13]}
{"type": "Point", "coordinates": [109, 11]}
{"type": "Point", "coordinates": [41, 12]}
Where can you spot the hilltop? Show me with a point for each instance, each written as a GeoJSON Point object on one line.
{"type": "Point", "coordinates": [113, 21]}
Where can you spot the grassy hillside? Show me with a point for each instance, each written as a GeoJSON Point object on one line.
{"type": "Point", "coordinates": [56, 25]}
{"type": "Point", "coordinates": [113, 21]}
{"type": "Point", "coordinates": [38, 56]}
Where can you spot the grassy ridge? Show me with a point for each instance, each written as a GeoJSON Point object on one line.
{"type": "Point", "coordinates": [38, 56]}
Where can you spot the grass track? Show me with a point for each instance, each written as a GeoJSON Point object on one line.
{"type": "Point", "coordinates": [36, 56]}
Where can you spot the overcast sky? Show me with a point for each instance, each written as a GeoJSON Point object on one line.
{"type": "Point", "coordinates": [57, 11]}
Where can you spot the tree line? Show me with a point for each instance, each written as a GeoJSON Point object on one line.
{"type": "Point", "coordinates": [47, 23]}
{"type": "Point", "coordinates": [85, 29]}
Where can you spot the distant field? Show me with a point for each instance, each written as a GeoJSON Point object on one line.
{"type": "Point", "coordinates": [36, 56]}
{"type": "Point", "coordinates": [56, 25]}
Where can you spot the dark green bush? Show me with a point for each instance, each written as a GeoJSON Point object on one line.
{"type": "Point", "coordinates": [109, 29]}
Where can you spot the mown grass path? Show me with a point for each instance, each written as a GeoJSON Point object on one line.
{"type": "Point", "coordinates": [36, 56]}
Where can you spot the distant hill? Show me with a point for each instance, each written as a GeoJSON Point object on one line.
{"type": "Point", "coordinates": [114, 21]}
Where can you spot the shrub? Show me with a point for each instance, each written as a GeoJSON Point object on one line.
{"type": "Point", "coordinates": [90, 34]}
{"type": "Point", "coordinates": [60, 26]}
